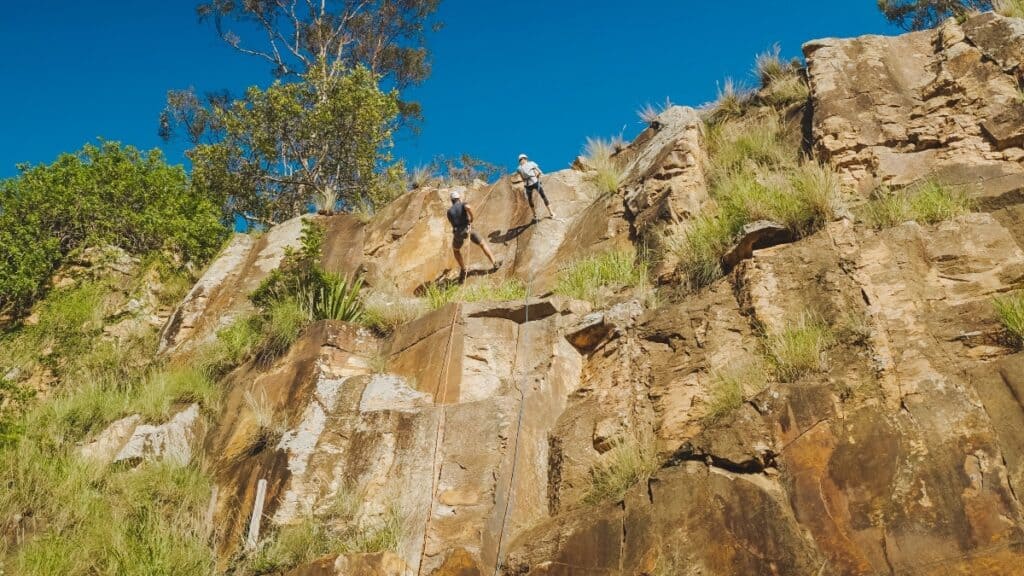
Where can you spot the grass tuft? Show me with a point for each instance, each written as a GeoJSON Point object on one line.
{"type": "Point", "coordinates": [926, 203]}
{"type": "Point", "coordinates": [438, 295]}
{"type": "Point", "coordinates": [161, 392]}
{"type": "Point", "coordinates": [731, 387]}
{"type": "Point", "coordinates": [1010, 8]}
{"type": "Point", "coordinates": [285, 320]}
{"type": "Point", "coordinates": [607, 169]}
{"type": "Point", "coordinates": [1010, 309]}
{"type": "Point", "coordinates": [592, 277]}
{"type": "Point", "coordinates": [386, 310]}
{"type": "Point", "coordinates": [799, 349]}
{"type": "Point", "coordinates": [340, 530]}
{"type": "Point", "coordinates": [630, 461]}
{"type": "Point", "coordinates": [732, 101]}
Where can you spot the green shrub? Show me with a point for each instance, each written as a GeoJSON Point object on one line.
{"type": "Point", "coordinates": [926, 203]}
{"type": "Point", "coordinates": [732, 101]}
{"type": "Point", "coordinates": [799, 349]}
{"type": "Point", "coordinates": [699, 248]}
{"type": "Point", "coordinates": [234, 345]}
{"type": "Point", "coordinates": [1011, 312]}
{"type": "Point", "coordinates": [100, 195]}
{"type": "Point", "coordinates": [630, 461]}
{"type": "Point", "coordinates": [587, 278]}
{"type": "Point", "coordinates": [607, 169]}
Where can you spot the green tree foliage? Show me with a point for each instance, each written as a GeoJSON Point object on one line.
{"type": "Point", "coordinates": [922, 14]}
{"type": "Point", "coordinates": [324, 139]}
{"type": "Point", "coordinates": [106, 194]}
{"type": "Point", "coordinates": [464, 168]}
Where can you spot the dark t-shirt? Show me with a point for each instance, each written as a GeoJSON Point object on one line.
{"type": "Point", "coordinates": [458, 217]}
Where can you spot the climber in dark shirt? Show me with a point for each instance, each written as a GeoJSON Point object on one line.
{"type": "Point", "coordinates": [460, 215]}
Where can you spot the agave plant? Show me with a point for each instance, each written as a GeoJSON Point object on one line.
{"type": "Point", "coordinates": [337, 298]}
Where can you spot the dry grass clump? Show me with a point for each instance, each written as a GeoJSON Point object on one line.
{"type": "Point", "coordinates": [633, 459]}
{"type": "Point", "coordinates": [1010, 309]}
{"type": "Point", "coordinates": [386, 310]}
{"type": "Point", "coordinates": [926, 203]}
{"type": "Point", "coordinates": [782, 83]}
{"type": "Point", "coordinates": [799, 349]}
{"type": "Point", "coordinates": [608, 171]}
{"type": "Point", "coordinates": [649, 114]}
{"type": "Point", "coordinates": [1010, 8]}
{"type": "Point", "coordinates": [732, 101]}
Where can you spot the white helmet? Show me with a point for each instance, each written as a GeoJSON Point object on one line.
{"type": "Point", "coordinates": [455, 195]}
{"type": "Point", "coordinates": [522, 156]}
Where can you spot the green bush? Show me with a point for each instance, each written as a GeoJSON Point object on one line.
{"type": "Point", "coordinates": [162, 391]}
{"type": "Point", "coordinates": [338, 530]}
{"type": "Point", "coordinates": [1011, 312]}
{"type": "Point", "coordinates": [101, 195]}
{"type": "Point", "coordinates": [587, 278]}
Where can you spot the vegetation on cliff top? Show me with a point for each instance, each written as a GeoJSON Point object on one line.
{"type": "Point", "coordinates": [99, 196]}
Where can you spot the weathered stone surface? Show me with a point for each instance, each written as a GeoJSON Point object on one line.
{"type": "Point", "coordinates": [893, 110]}
{"type": "Point", "coordinates": [130, 441]}
{"type": "Point", "coordinates": [901, 453]}
{"type": "Point", "coordinates": [221, 294]}
{"type": "Point", "coordinates": [755, 236]}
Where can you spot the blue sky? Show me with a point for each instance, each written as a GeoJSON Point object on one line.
{"type": "Point", "coordinates": [534, 76]}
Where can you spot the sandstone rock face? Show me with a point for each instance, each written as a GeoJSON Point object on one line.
{"type": "Point", "coordinates": [943, 103]}
{"type": "Point", "coordinates": [484, 426]}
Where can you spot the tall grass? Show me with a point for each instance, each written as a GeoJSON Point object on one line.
{"type": "Point", "coordinates": [607, 170]}
{"type": "Point", "coordinates": [161, 392]}
{"type": "Point", "coordinates": [1010, 309]}
{"type": "Point", "coordinates": [283, 324]}
{"type": "Point", "coordinates": [799, 349]}
{"type": "Point", "coordinates": [632, 460]}
{"type": "Point", "coordinates": [925, 203]}
{"type": "Point", "coordinates": [592, 277]}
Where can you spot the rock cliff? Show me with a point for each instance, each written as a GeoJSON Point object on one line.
{"type": "Point", "coordinates": [484, 424]}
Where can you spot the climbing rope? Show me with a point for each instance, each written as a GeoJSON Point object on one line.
{"type": "Point", "coordinates": [435, 471]}
{"type": "Point", "coordinates": [510, 492]}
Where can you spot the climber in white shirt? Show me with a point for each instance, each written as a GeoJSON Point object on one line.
{"type": "Point", "coordinates": [531, 178]}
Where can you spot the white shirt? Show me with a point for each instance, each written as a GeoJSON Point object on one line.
{"type": "Point", "coordinates": [530, 172]}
